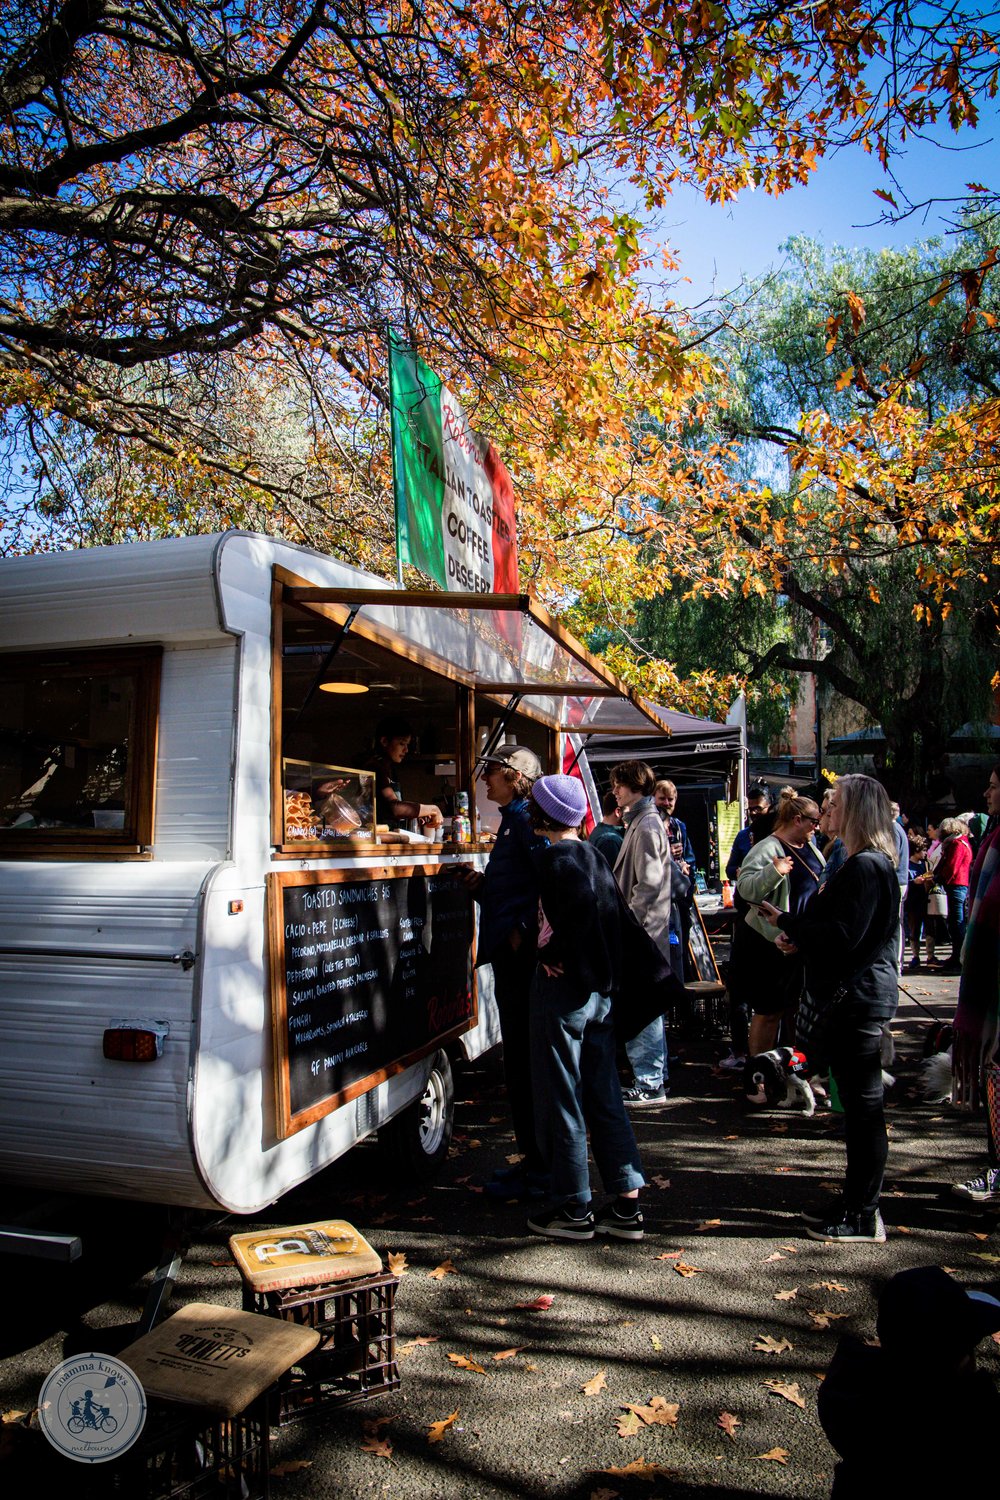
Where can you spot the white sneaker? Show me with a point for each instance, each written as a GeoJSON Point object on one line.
{"type": "Point", "coordinates": [732, 1062]}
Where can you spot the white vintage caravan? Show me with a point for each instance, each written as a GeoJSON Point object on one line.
{"type": "Point", "coordinates": [220, 967]}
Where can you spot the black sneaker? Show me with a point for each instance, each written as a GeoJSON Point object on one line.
{"type": "Point", "coordinates": [620, 1226]}
{"type": "Point", "coordinates": [638, 1098]}
{"type": "Point", "coordinates": [984, 1189]}
{"type": "Point", "coordinates": [857, 1229]}
{"type": "Point", "coordinates": [560, 1224]}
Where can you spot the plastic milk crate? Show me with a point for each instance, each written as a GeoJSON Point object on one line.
{"type": "Point", "coordinates": [327, 1278]}
{"type": "Point", "coordinates": [184, 1454]}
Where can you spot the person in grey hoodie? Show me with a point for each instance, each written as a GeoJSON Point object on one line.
{"type": "Point", "coordinates": [642, 871]}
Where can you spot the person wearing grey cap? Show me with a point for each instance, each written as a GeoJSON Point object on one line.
{"type": "Point", "coordinates": [507, 892]}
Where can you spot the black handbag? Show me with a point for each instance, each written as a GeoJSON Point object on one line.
{"type": "Point", "coordinates": [813, 1023]}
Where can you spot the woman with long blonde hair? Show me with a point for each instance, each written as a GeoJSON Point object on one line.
{"type": "Point", "coordinates": [848, 938]}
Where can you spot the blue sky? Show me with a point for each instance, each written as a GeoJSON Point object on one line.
{"type": "Point", "coordinates": [717, 244]}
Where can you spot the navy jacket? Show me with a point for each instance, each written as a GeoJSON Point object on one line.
{"type": "Point", "coordinates": [509, 897]}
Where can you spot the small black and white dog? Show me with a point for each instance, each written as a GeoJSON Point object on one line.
{"type": "Point", "coordinates": [935, 1069]}
{"type": "Point", "coordinates": [778, 1080]}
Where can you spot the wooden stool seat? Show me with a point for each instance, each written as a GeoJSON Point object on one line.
{"type": "Point", "coordinates": [301, 1255]}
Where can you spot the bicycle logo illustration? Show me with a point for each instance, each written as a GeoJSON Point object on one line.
{"type": "Point", "coordinates": [87, 1413]}
{"type": "Point", "coordinates": [92, 1408]}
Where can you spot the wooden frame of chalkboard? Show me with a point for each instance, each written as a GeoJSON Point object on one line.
{"type": "Point", "coordinates": [700, 948]}
{"type": "Point", "coordinates": [371, 969]}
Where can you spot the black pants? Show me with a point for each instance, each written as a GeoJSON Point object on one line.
{"type": "Point", "coordinates": [856, 1064]}
{"type": "Point", "coordinates": [512, 976]}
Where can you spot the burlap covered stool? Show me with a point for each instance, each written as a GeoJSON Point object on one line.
{"type": "Point", "coordinates": [210, 1374]}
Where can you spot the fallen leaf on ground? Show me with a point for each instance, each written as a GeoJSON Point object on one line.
{"type": "Point", "coordinates": [685, 1270]}
{"type": "Point", "coordinates": [397, 1263]}
{"type": "Point", "coordinates": [977, 1236]}
{"type": "Point", "coordinates": [708, 1224]}
{"type": "Point", "coordinates": [985, 1255]}
{"type": "Point", "coordinates": [782, 1169]}
{"type": "Point", "coordinates": [729, 1424]}
{"type": "Point", "coordinates": [670, 1255]}
{"type": "Point", "coordinates": [509, 1353]}
{"type": "Point", "coordinates": [463, 1362]}
{"type": "Point", "coordinates": [786, 1295]}
{"type": "Point", "coordinates": [995, 1337]}
{"type": "Point", "coordinates": [420, 1343]}
{"type": "Point", "coordinates": [440, 1272]}
{"type": "Point", "coordinates": [540, 1304]}
{"type": "Point", "coordinates": [659, 1412]}
{"type": "Point", "coordinates": [437, 1430]}
{"type": "Point", "coordinates": [640, 1469]}
{"type": "Point", "coordinates": [730, 1137]}
{"type": "Point", "coordinates": [902, 1229]}
{"type": "Point", "coordinates": [792, 1249]}
{"type": "Point", "coordinates": [514, 1158]}
{"type": "Point", "coordinates": [290, 1466]}
{"type": "Point", "coordinates": [769, 1345]}
{"type": "Point", "coordinates": [780, 1455]}
{"type": "Point", "coordinates": [824, 1317]}
{"type": "Point", "coordinates": [790, 1392]}
{"type": "Point", "coordinates": [595, 1384]}
{"type": "Point", "coordinates": [656, 1342]}
{"type": "Point", "coordinates": [660, 1182]}
{"type": "Point", "coordinates": [768, 1258]}
{"type": "Point", "coordinates": [381, 1447]}
{"type": "Point", "coordinates": [829, 1286]}
{"type": "Point", "coordinates": [629, 1425]}
{"type": "Point", "coordinates": [13, 1416]}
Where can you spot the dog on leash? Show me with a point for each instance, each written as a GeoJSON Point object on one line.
{"type": "Point", "coordinates": [777, 1080]}
{"type": "Point", "coordinates": [935, 1069]}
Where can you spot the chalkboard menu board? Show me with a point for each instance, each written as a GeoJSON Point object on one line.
{"type": "Point", "coordinates": [370, 970]}
{"type": "Point", "coordinates": [700, 949]}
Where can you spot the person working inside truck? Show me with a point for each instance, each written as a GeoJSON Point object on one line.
{"type": "Point", "coordinates": [392, 741]}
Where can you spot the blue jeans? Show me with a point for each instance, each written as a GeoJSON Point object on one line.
{"type": "Point", "coordinates": [958, 895]}
{"type": "Point", "coordinates": [647, 1053]}
{"type": "Point", "coordinates": [576, 1086]}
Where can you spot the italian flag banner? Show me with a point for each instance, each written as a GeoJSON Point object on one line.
{"type": "Point", "coordinates": [454, 500]}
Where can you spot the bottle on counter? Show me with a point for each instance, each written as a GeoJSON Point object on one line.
{"type": "Point", "coordinates": [727, 894]}
{"type": "Point", "coordinates": [461, 827]}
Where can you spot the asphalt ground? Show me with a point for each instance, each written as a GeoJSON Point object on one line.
{"type": "Point", "coordinates": [725, 1266]}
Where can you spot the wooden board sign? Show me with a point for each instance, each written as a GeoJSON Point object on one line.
{"type": "Point", "coordinates": [700, 949]}
{"type": "Point", "coordinates": [370, 971]}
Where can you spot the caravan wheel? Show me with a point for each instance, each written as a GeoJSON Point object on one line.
{"type": "Point", "coordinates": [416, 1142]}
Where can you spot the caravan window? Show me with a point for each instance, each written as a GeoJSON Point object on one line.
{"type": "Point", "coordinates": [77, 748]}
{"type": "Point", "coordinates": [368, 738]}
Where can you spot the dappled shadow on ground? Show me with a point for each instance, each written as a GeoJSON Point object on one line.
{"type": "Point", "coordinates": [724, 1294]}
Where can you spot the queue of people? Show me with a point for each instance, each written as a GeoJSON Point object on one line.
{"type": "Point", "coordinates": [580, 936]}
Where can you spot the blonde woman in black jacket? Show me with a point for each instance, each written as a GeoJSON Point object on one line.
{"type": "Point", "coordinates": [848, 937]}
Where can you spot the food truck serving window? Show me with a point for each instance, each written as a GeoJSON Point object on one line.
{"type": "Point", "coordinates": [77, 751]}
